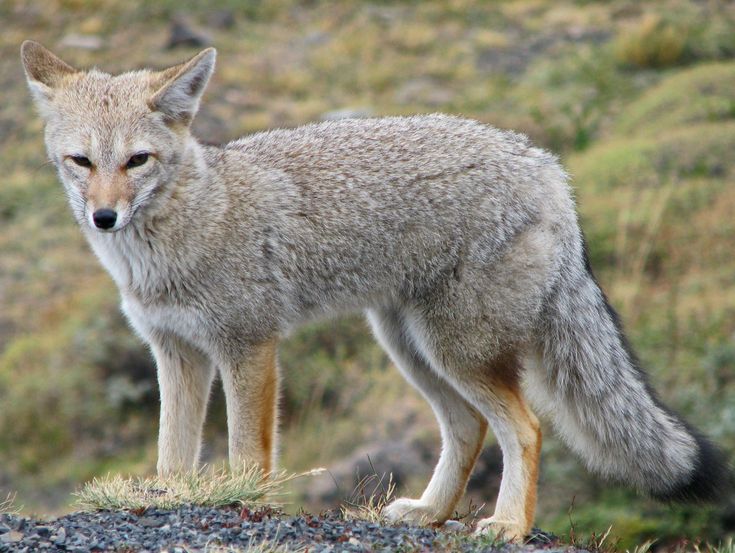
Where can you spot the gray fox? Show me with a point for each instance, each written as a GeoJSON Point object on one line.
{"type": "Point", "coordinates": [458, 240]}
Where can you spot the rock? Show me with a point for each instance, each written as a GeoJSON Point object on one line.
{"type": "Point", "coordinates": [4, 528]}
{"type": "Point", "coordinates": [11, 537]}
{"type": "Point", "coordinates": [221, 19]}
{"type": "Point", "coordinates": [82, 42]}
{"type": "Point", "coordinates": [151, 522]}
{"type": "Point", "coordinates": [20, 524]}
{"type": "Point", "coordinates": [43, 531]}
{"type": "Point", "coordinates": [453, 526]}
{"type": "Point", "coordinates": [59, 537]}
{"type": "Point", "coordinates": [118, 531]}
{"type": "Point", "coordinates": [182, 34]}
{"type": "Point", "coordinates": [366, 472]}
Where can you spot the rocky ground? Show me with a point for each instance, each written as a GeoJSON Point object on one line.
{"type": "Point", "coordinates": [192, 529]}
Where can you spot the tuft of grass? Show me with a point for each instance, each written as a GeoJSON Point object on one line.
{"type": "Point", "coordinates": [728, 546]}
{"type": "Point", "coordinates": [645, 547]}
{"type": "Point", "coordinates": [8, 506]}
{"type": "Point", "coordinates": [369, 505]}
{"type": "Point", "coordinates": [208, 487]}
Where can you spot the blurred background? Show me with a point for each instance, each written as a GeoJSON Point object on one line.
{"type": "Point", "coordinates": [638, 99]}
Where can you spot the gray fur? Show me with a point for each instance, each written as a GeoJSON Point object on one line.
{"type": "Point", "coordinates": [461, 240]}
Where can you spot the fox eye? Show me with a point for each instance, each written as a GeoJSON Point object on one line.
{"type": "Point", "coordinates": [81, 161]}
{"type": "Point", "coordinates": [137, 160]}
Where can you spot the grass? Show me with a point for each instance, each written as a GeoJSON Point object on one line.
{"type": "Point", "coordinates": [8, 505]}
{"type": "Point", "coordinates": [208, 487]}
{"type": "Point", "coordinates": [369, 505]}
{"type": "Point", "coordinates": [653, 42]}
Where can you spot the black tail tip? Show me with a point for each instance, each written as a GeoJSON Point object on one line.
{"type": "Point", "coordinates": [711, 480]}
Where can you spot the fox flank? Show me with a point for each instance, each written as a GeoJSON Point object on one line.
{"type": "Point", "coordinates": [460, 243]}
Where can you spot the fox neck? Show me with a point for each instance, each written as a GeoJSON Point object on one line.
{"type": "Point", "coordinates": [158, 245]}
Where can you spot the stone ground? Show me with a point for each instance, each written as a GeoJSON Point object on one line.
{"type": "Point", "coordinates": [194, 529]}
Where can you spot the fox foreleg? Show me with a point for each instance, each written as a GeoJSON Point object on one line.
{"type": "Point", "coordinates": [184, 380]}
{"type": "Point", "coordinates": [251, 391]}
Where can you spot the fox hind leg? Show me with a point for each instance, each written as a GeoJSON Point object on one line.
{"type": "Point", "coordinates": [462, 427]}
{"type": "Point", "coordinates": [493, 389]}
{"type": "Point", "coordinates": [518, 433]}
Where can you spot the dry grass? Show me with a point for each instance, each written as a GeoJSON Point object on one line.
{"type": "Point", "coordinates": [208, 487]}
{"type": "Point", "coordinates": [642, 548]}
{"type": "Point", "coordinates": [8, 506]}
{"type": "Point", "coordinates": [369, 505]}
{"type": "Point", "coordinates": [653, 42]}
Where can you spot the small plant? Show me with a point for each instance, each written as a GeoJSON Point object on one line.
{"type": "Point", "coordinates": [8, 506]}
{"type": "Point", "coordinates": [645, 547]}
{"type": "Point", "coordinates": [366, 505]}
{"type": "Point", "coordinates": [728, 546]}
{"type": "Point", "coordinates": [208, 487]}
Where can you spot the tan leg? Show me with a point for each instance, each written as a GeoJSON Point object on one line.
{"type": "Point", "coordinates": [519, 435]}
{"type": "Point", "coordinates": [494, 390]}
{"type": "Point", "coordinates": [462, 427]}
{"type": "Point", "coordinates": [251, 392]}
{"type": "Point", "coordinates": [184, 380]}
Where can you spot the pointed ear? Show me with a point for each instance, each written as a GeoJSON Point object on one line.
{"type": "Point", "coordinates": [44, 72]}
{"type": "Point", "coordinates": [182, 86]}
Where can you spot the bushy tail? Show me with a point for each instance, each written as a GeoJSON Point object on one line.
{"type": "Point", "coordinates": [588, 382]}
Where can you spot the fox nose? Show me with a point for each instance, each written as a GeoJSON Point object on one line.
{"type": "Point", "coordinates": [104, 218]}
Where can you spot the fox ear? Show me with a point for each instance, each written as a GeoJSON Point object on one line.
{"type": "Point", "coordinates": [44, 72]}
{"type": "Point", "coordinates": [182, 86]}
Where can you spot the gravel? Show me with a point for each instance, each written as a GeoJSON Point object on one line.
{"type": "Point", "coordinates": [192, 529]}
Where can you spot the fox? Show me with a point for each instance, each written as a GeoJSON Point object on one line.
{"type": "Point", "coordinates": [459, 241]}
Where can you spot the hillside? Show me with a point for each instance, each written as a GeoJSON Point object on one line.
{"type": "Point", "coordinates": [638, 100]}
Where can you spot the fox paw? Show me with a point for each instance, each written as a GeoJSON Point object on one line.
{"type": "Point", "coordinates": [411, 510]}
{"type": "Point", "coordinates": [506, 530]}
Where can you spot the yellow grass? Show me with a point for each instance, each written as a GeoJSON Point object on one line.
{"type": "Point", "coordinates": [208, 487]}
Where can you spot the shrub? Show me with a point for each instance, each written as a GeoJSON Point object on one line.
{"type": "Point", "coordinates": [652, 42]}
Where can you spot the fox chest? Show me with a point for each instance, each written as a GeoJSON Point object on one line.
{"type": "Point", "coordinates": [181, 321]}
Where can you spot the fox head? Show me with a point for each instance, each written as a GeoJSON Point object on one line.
{"type": "Point", "coordinates": [115, 140]}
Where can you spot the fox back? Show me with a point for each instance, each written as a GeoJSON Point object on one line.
{"type": "Point", "coordinates": [459, 241]}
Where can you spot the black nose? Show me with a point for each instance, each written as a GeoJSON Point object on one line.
{"type": "Point", "coordinates": [104, 218]}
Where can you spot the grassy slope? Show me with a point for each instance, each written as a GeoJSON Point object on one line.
{"type": "Point", "coordinates": [638, 102]}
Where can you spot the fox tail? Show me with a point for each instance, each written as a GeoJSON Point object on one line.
{"type": "Point", "coordinates": [587, 380]}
